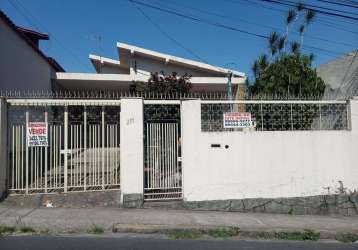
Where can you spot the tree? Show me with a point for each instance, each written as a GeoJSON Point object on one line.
{"type": "Point", "coordinates": [291, 74]}
{"type": "Point", "coordinates": [287, 73]}
{"type": "Point", "coordinates": [163, 84]}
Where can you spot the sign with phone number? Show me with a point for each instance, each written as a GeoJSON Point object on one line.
{"type": "Point", "coordinates": [238, 120]}
{"type": "Point", "coordinates": [37, 134]}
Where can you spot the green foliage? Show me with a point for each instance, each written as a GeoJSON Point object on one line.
{"type": "Point", "coordinates": [184, 234]}
{"type": "Point", "coordinates": [224, 232]}
{"type": "Point", "coordinates": [6, 229]}
{"type": "Point", "coordinates": [94, 229]}
{"type": "Point", "coordinates": [290, 74]}
{"type": "Point", "coordinates": [286, 73]}
{"type": "Point", "coordinates": [307, 234]}
{"type": "Point", "coordinates": [26, 229]}
{"type": "Point", "coordinates": [164, 84]}
{"type": "Point", "coordinates": [347, 237]}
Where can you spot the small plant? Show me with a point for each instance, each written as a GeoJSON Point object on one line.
{"type": "Point", "coordinates": [224, 232]}
{"type": "Point", "coordinates": [6, 230]}
{"type": "Point", "coordinates": [184, 234]}
{"type": "Point", "coordinates": [347, 237]}
{"type": "Point", "coordinates": [26, 229]}
{"type": "Point", "coordinates": [44, 231]}
{"type": "Point", "coordinates": [95, 230]}
{"type": "Point", "coordinates": [307, 234]}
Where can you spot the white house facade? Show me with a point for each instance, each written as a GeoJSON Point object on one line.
{"type": "Point", "coordinates": [137, 64]}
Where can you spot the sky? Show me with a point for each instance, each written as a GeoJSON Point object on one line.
{"type": "Point", "coordinates": [82, 27]}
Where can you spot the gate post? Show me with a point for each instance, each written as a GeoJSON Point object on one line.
{"type": "Point", "coordinates": [3, 148]}
{"type": "Point", "coordinates": [131, 152]}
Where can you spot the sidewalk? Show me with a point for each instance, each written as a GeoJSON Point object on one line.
{"type": "Point", "coordinates": [62, 220]}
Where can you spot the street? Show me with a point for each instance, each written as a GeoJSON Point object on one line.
{"type": "Point", "coordinates": [146, 242]}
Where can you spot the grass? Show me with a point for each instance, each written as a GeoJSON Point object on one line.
{"type": "Point", "coordinates": [223, 232]}
{"type": "Point", "coordinates": [95, 230]}
{"type": "Point", "coordinates": [184, 234]}
{"type": "Point", "coordinates": [347, 237]}
{"type": "Point", "coordinates": [26, 229]}
{"type": "Point", "coordinates": [6, 230]}
{"type": "Point", "coordinates": [307, 234]}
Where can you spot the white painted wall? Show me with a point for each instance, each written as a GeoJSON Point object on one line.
{"type": "Point", "coordinates": [3, 146]}
{"type": "Point", "coordinates": [265, 164]}
{"type": "Point", "coordinates": [21, 68]}
{"type": "Point", "coordinates": [131, 154]}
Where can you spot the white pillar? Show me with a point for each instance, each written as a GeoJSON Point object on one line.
{"type": "Point", "coordinates": [354, 115]}
{"type": "Point", "coordinates": [190, 131]}
{"type": "Point", "coordinates": [3, 147]}
{"type": "Point", "coordinates": [131, 152]}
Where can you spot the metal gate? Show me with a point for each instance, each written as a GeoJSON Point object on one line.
{"type": "Point", "coordinates": [162, 151]}
{"type": "Point", "coordinates": [82, 152]}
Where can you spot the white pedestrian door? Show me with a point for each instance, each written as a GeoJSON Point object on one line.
{"type": "Point", "coordinates": [162, 167]}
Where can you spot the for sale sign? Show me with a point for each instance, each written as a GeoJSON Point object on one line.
{"type": "Point", "coordinates": [37, 134]}
{"type": "Point", "coordinates": [238, 120]}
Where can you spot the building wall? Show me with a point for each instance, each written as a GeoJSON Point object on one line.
{"type": "Point", "coordinates": [146, 66]}
{"type": "Point", "coordinates": [269, 164]}
{"type": "Point", "coordinates": [21, 68]}
{"type": "Point", "coordinates": [110, 69]}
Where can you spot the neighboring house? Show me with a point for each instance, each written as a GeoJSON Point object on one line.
{"type": "Point", "coordinates": [136, 64]}
{"type": "Point", "coordinates": [340, 76]}
{"type": "Point", "coordinates": [23, 66]}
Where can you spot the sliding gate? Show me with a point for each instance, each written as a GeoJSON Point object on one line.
{"type": "Point", "coordinates": [80, 151]}
{"type": "Point", "coordinates": [162, 165]}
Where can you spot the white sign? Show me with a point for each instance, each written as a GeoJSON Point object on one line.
{"type": "Point", "coordinates": [238, 120]}
{"type": "Point", "coordinates": [37, 134]}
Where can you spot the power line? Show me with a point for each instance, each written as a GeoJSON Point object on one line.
{"type": "Point", "coordinates": [293, 4]}
{"type": "Point", "coordinates": [167, 35]}
{"type": "Point", "coordinates": [258, 24]}
{"type": "Point", "coordinates": [217, 24]}
{"type": "Point", "coordinates": [323, 22]}
{"type": "Point", "coordinates": [339, 4]}
{"type": "Point", "coordinates": [47, 30]}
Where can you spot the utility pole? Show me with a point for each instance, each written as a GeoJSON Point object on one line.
{"type": "Point", "coordinates": [229, 85]}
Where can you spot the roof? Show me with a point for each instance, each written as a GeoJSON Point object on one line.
{"type": "Point", "coordinates": [97, 61]}
{"type": "Point", "coordinates": [22, 33]}
{"type": "Point", "coordinates": [177, 60]}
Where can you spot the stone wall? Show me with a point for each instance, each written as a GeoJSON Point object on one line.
{"type": "Point", "coordinates": [342, 204]}
{"type": "Point", "coordinates": [72, 200]}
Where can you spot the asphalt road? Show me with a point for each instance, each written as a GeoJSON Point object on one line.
{"type": "Point", "coordinates": [134, 243]}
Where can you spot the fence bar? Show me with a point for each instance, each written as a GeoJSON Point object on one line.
{"type": "Point", "coordinates": [103, 148]}
{"type": "Point", "coordinates": [27, 156]}
{"type": "Point", "coordinates": [65, 148]}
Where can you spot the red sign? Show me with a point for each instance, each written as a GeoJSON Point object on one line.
{"type": "Point", "coordinates": [37, 134]}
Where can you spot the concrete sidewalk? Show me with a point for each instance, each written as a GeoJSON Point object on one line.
{"type": "Point", "coordinates": [65, 220]}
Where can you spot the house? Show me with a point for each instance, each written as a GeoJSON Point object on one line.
{"type": "Point", "coordinates": [340, 76]}
{"type": "Point", "coordinates": [136, 64]}
{"type": "Point", "coordinates": [23, 66]}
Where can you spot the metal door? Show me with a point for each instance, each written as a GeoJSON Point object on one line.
{"type": "Point", "coordinates": [162, 168]}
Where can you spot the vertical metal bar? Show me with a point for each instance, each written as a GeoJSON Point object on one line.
{"type": "Point", "coordinates": [108, 148]}
{"type": "Point", "coordinates": [147, 160]}
{"type": "Point", "coordinates": [155, 154]}
{"type": "Point", "coordinates": [291, 117]}
{"type": "Point", "coordinates": [262, 118]}
{"type": "Point", "coordinates": [166, 155]}
{"type": "Point", "coordinates": [177, 154]}
{"type": "Point", "coordinates": [172, 173]}
{"type": "Point", "coordinates": [46, 150]}
{"type": "Point", "coordinates": [85, 148]}
{"type": "Point", "coordinates": [65, 148]}
{"type": "Point", "coordinates": [27, 157]}
{"type": "Point", "coordinates": [103, 147]}
{"type": "Point", "coordinates": [22, 157]}
{"type": "Point", "coordinates": [320, 116]}
{"type": "Point", "coordinates": [70, 154]}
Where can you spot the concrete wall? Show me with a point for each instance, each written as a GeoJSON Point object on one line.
{"type": "Point", "coordinates": [265, 164]}
{"type": "Point", "coordinates": [3, 147]}
{"type": "Point", "coordinates": [21, 67]}
{"type": "Point", "coordinates": [131, 154]}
